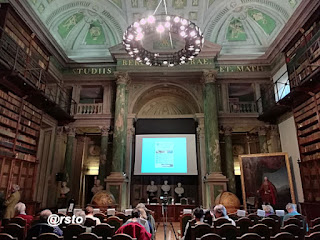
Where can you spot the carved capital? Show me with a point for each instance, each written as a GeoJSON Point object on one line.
{"type": "Point", "coordinates": [262, 131]}
{"type": "Point", "coordinates": [122, 78]}
{"type": "Point", "coordinates": [209, 76]}
{"type": "Point", "coordinates": [227, 131]}
{"type": "Point", "coordinates": [59, 131]}
{"type": "Point", "coordinates": [71, 131]}
{"type": "Point", "coordinates": [104, 130]}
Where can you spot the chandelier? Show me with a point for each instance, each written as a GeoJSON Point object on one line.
{"type": "Point", "coordinates": [187, 31]}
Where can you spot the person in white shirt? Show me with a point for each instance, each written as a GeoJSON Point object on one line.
{"type": "Point", "coordinates": [89, 214]}
{"type": "Point", "coordinates": [220, 211]}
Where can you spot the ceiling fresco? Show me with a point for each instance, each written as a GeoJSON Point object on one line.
{"type": "Point", "coordinates": [85, 29]}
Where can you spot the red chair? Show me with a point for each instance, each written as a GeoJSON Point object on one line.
{"type": "Point", "coordinates": [135, 230]}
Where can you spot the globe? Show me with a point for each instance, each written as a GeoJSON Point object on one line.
{"type": "Point", "coordinates": [229, 200]}
{"type": "Point", "coordinates": [103, 200]}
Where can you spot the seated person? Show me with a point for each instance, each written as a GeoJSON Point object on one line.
{"type": "Point", "coordinates": [136, 217]}
{"type": "Point", "coordinates": [135, 230]}
{"type": "Point", "coordinates": [220, 211]}
{"type": "Point", "coordinates": [208, 218]}
{"type": "Point", "coordinates": [268, 210]}
{"type": "Point", "coordinates": [149, 218]}
{"type": "Point", "coordinates": [198, 215]}
{"type": "Point", "coordinates": [20, 210]}
{"type": "Point", "coordinates": [89, 214]}
{"type": "Point", "coordinates": [43, 226]}
{"type": "Point", "coordinates": [292, 211]}
{"type": "Point", "coordinates": [81, 214]}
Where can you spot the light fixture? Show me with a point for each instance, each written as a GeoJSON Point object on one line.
{"type": "Point", "coordinates": [188, 31]}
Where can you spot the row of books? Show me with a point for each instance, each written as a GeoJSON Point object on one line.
{"type": "Point", "coordinates": [10, 114]}
{"type": "Point", "coordinates": [8, 122]}
{"type": "Point", "coordinates": [311, 157]}
{"type": "Point", "coordinates": [10, 98]}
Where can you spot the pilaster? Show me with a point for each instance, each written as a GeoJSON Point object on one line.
{"type": "Point", "coordinates": [229, 159]}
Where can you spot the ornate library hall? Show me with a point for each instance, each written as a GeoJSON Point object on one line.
{"type": "Point", "coordinates": [159, 119]}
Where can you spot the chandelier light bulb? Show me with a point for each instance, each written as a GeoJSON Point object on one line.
{"type": "Point", "coordinates": [165, 62]}
{"type": "Point", "coordinates": [151, 19]}
{"type": "Point", "coordinates": [136, 24]}
{"type": "Point", "coordinates": [139, 36]}
{"type": "Point", "coordinates": [139, 29]}
{"type": "Point", "coordinates": [182, 28]}
{"type": "Point", "coordinates": [167, 25]}
{"type": "Point", "coordinates": [143, 21]}
{"type": "Point", "coordinates": [184, 22]}
{"type": "Point", "coordinates": [183, 33]}
{"type": "Point", "coordinates": [130, 36]}
{"type": "Point", "coordinates": [192, 34]}
{"type": "Point", "coordinates": [168, 18]}
{"type": "Point", "coordinates": [160, 29]}
{"type": "Point", "coordinates": [198, 41]}
{"type": "Point", "coordinates": [176, 19]}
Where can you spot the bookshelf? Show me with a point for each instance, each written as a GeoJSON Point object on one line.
{"type": "Point", "coordinates": [19, 132]}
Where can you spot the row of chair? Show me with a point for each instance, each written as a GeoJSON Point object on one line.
{"type": "Point", "coordinates": [82, 236]}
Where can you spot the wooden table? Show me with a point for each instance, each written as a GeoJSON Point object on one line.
{"type": "Point", "coordinates": [174, 211]}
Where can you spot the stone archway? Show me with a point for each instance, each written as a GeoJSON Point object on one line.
{"type": "Point", "coordinates": [164, 101]}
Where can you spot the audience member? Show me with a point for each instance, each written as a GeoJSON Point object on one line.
{"type": "Point", "coordinates": [81, 214]}
{"type": "Point", "coordinates": [44, 215]}
{"type": "Point", "coordinates": [136, 217]}
{"type": "Point", "coordinates": [20, 210]}
{"type": "Point", "coordinates": [220, 211]}
{"type": "Point", "coordinates": [89, 214]}
{"type": "Point", "coordinates": [12, 201]}
{"type": "Point", "coordinates": [268, 210]}
{"type": "Point", "coordinates": [208, 218]}
{"type": "Point", "coordinates": [292, 211]}
{"type": "Point", "coordinates": [198, 215]}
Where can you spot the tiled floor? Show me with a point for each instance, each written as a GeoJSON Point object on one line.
{"type": "Point", "coordinates": [170, 234]}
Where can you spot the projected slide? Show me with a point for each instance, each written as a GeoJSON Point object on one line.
{"type": "Point", "coordinates": [165, 155]}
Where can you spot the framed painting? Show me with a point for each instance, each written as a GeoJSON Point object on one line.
{"type": "Point", "coordinates": [266, 179]}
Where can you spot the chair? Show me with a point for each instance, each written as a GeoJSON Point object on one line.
{"type": "Point", "coordinates": [115, 221]}
{"type": "Point", "coordinates": [6, 236]}
{"type": "Point", "coordinates": [250, 236]}
{"type": "Point", "coordinates": [89, 222]}
{"type": "Point", "coordinates": [294, 221]}
{"type": "Point", "coordinates": [210, 236]}
{"type": "Point", "coordinates": [199, 230]}
{"type": "Point", "coordinates": [262, 230]}
{"type": "Point", "coordinates": [184, 218]}
{"type": "Point", "coordinates": [103, 230]}
{"type": "Point", "coordinates": [313, 236]}
{"type": "Point", "coordinates": [315, 221]}
{"type": "Point", "coordinates": [274, 224]}
{"type": "Point", "coordinates": [184, 201]}
{"type": "Point", "coordinates": [122, 216]}
{"type": "Point", "coordinates": [243, 223]}
{"type": "Point", "coordinates": [284, 236]}
{"type": "Point", "coordinates": [227, 231]}
{"type": "Point", "coordinates": [88, 236]}
{"type": "Point", "coordinates": [316, 228]}
{"type": "Point", "coordinates": [101, 216]}
{"type": "Point", "coordinates": [220, 221]}
{"type": "Point", "coordinates": [302, 220]}
{"type": "Point", "coordinates": [38, 229]}
{"type": "Point", "coordinates": [14, 230]}
{"type": "Point", "coordinates": [276, 217]}
{"type": "Point", "coordinates": [295, 230]}
{"type": "Point", "coordinates": [73, 230]}
{"type": "Point", "coordinates": [49, 236]}
{"type": "Point", "coordinates": [122, 236]}
{"type": "Point", "coordinates": [135, 230]}
{"type": "Point", "coordinates": [5, 221]}
{"type": "Point", "coordinates": [19, 220]}
{"type": "Point", "coordinates": [234, 216]}
{"type": "Point", "coordinates": [254, 218]}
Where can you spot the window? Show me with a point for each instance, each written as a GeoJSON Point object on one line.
{"type": "Point", "coordinates": [281, 83]}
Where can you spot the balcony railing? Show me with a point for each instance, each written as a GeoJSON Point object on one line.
{"type": "Point", "coordinates": [89, 108]}
{"type": "Point", "coordinates": [243, 107]}
{"type": "Point", "coordinates": [20, 63]}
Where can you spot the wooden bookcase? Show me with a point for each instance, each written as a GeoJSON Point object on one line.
{"type": "Point", "coordinates": [19, 132]}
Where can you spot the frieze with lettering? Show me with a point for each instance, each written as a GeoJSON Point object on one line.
{"type": "Point", "coordinates": [196, 61]}
{"type": "Point", "coordinates": [240, 68]}
{"type": "Point", "coordinates": [91, 71]}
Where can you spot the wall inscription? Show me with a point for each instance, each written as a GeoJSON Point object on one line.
{"type": "Point", "coordinates": [93, 71]}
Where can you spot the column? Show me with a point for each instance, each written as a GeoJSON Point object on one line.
{"type": "Point", "coordinates": [106, 99]}
{"type": "Point", "coordinates": [68, 156]}
{"type": "Point", "coordinates": [225, 97]}
{"type": "Point", "coordinates": [117, 181]}
{"type": "Point", "coordinates": [275, 143]}
{"type": "Point", "coordinates": [103, 153]}
{"type": "Point", "coordinates": [211, 123]}
{"type": "Point", "coordinates": [262, 132]}
{"type": "Point", "coordinates": [215, 182]}
{"type": "Point", "coordinates": [258, 98]}
{"type": "Point", "coordinates": [229, 160]}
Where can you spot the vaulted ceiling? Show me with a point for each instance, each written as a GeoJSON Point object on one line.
{"type": "Point", "coordinates": [85, 29]}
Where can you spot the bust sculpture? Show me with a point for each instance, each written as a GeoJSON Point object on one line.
{"type": "Point", "coordinates": [97, 187]}
{"type": "Point", "coordinates": [165, 188]}
{"type": "Point", "coordinates": [64, 190]}
{"type": "Point", "coordinates": [152, 189]}
{"type": "Point", "coordinates": [179, 190]}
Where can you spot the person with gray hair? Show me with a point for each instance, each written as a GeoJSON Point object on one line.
{"type": "Point", "coordinates": [219, 211]}
{"type": "Point", "coordinates": [151, 221]}
{"type": "Point", "coordinates": [292, 211]}
{"type": "Point", "coordinates": [20, 210]}
{"type": "Point", "coordinates": [44, 215]}
{"type": "Point", "coordinates": [12, 201]}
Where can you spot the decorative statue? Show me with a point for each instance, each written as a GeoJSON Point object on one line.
{"type": "Point", "coordinates": [179, 190]}
{"type": "Point", "coordinates": [97, 187]}
{"type": "Point", "coordinates": [165, 187]}
{"type": "Point", "coordinates": [152, 189]}
{"type": "Point", "coordinates": [64, 190]}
